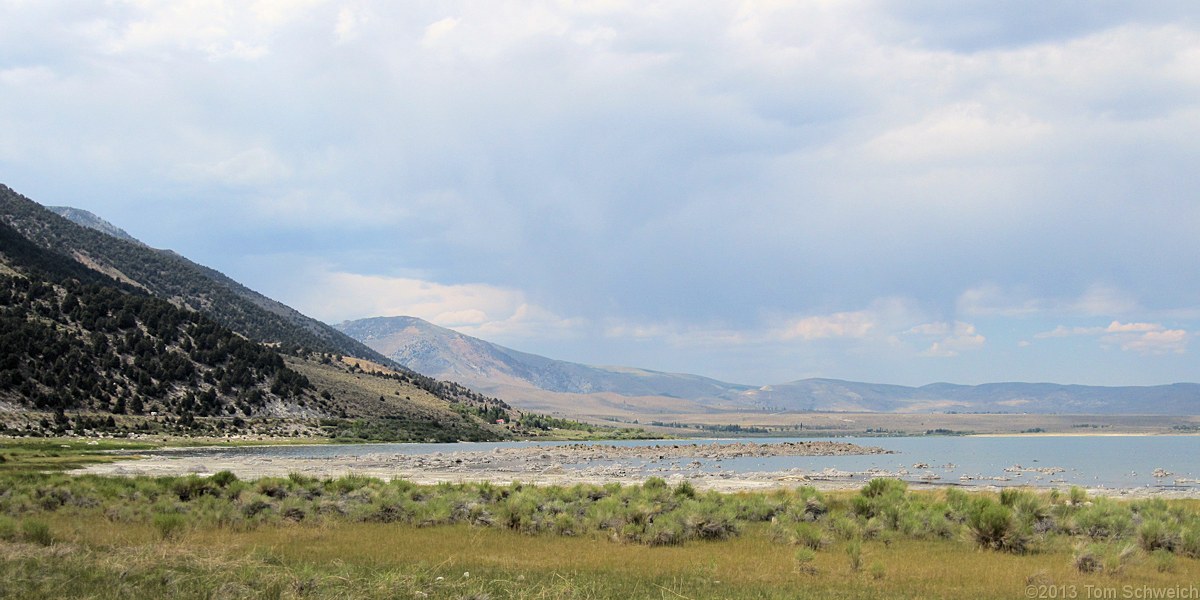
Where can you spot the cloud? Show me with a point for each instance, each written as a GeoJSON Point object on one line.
{"type": "Point", "coordinates": [477, 309]}
{"type": "Point", "coordinates": [992, 300]}
{"type": "Point", "coordinates": [1100, 300]}
{"type": "Point", "coordinates": [438, 30]}
{"type": "Point", "coordinates": [1169, 341]}
{"type": "Point", "coordinates": [954, 338]}
{"type": "Point", "coordinates": [681, 335]}
{"type": "Point", "coordinates": [959, 132]}
{"type": "Point", "coordinates": [1142, 338]}
{"type": "Point", "coordinates": [348, 22]}
{"type": "Point", "coordinates": [254, 166]}
{"type": "Point", "coordinates": [1146, 338]}
{"type": "Point", "coordinates": [837, 325]}
{"type": "Point", "coordinates": [747, 177]}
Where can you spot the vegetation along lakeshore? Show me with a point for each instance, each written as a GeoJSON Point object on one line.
{"type": "Point", "coordinates": [298, 536]}
{"type": "Point", "coordinates": [788, 299]}
{"type": "Point", "coordinates": [106, 383]}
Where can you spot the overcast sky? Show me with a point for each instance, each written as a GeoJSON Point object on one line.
{"type": "Point", "coordinates": [901, 192]}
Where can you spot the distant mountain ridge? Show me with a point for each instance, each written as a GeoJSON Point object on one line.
{"type": "Point", "coordinates": [1009, 397]}
{"type": "Point", "coordinates": [521, 378]}
{"type": "Point", "coordinates": [427, 348]}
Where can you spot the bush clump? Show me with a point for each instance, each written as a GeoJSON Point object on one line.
{"type": "Point", "coordinates": [994, 526]}
{"type": "Point", "coordinates": [36, 531]}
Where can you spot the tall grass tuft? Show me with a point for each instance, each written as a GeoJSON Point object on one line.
{"type": "Point", "coordinates": [36, 531]}
{"type": "Point", "coordinates": [804, 558]}
{"type": "Point", "coordinates": [854, 555]}
{"type": "Point", "coordinates": [8, 528]}
{"type": "Point", "coordinates": [169, 525]}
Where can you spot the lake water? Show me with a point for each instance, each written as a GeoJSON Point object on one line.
{"type": "Point", "coordinates": [1092, 461]}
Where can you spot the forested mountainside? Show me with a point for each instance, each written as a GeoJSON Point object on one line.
{"type": "Point", "coordinates": [80, 350]}
{"type": "Point", "coordinates": [170, 276]}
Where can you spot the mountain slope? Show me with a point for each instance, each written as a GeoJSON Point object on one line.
{"type": "Point", "coordinates": [90, 220]}
{"type": "Point", "coordinates": [1010, 397]}
{"type": "Point", "coordinates": [533, 381]}
{"type": "Point", "coordinates": [100, 355]}
{"type": "Point", "coordinates": [443, 353]}
{"type": "Point", "coordinates": [175, 278]}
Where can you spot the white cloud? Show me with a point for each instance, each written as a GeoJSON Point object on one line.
{"type": "Point", "coordinates": [857, 324]}
{"type": "Point", "coordinates": [348, 22]}
{"type": "Point", "coordinates": [1168, 341]}
{"type": "Point", "coordinates": [1140, 337]}
{"type": "Point", "coordinates": [26, 76]}
{"type": "Point", "coordinates": [954, 338]}
{"type": "Point", "coordinates": [438, 30]}
{"type": "Point", "coordinates": [1103, 300]}
{"type": "Point", "coordinates": [254, 166]}
{"type": "Point", "coordinates": [477, 309]}
{"type": "Point", "coordinates": [991, 300]}
{"type": "Point", "coordinates": [701, 162]}
{"type": "Point", "coordinates": [961, 131]}
{"type": "Point", "coordinates": [1146, 338]}
{"type": "Point", "coordinates": [679, 335]}
{"type": "Point", "coordinates": [215, 29]}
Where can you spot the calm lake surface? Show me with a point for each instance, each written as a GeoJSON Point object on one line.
{"type": "Point", "coordinates": [1093, 461]}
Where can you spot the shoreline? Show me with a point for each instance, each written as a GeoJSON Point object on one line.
{"type": "Point", "coordinates": [577, 463]}
{"type": "Point", "coordinates": [1073, 434]}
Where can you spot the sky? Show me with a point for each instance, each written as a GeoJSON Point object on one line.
{"type": "Point", "coordinates": [756, 191]}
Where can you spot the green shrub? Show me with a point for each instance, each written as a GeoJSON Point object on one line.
{"type": "Point", "coordinates": [707, 523]}
{"type": "Point", "coordinates": [845, 528]}
{"type": "Point", "coordinates": [1077, 496]}
{"type": "Point", "coordinates": [1087, 559]}
{"type": "Point", "coordinates": [192, 487]}
{"type": "Point", "coordinates": [1189, 541]}
{"type": "Point", "coordinates": [274, 487]}
{"type": "Point", "coordinates": [993, 526]}
{"type": "Point", "coordinates": [8, 528]}
{"type": "Point", "coordinates": [854, 554]}
{"type": "Point", "coordinates": [1104, 519]}
{"type": "Point", "coordinates": [958, 501]}
{"type": "Point", "coordinates": [566, 525]}
{"type": "Point", "coordinates": [1157, 534]}
{"type": "Point", "coordinates": [222, 479]}
{"type": "Point", "coordinates": [169, 525]}
{"type": "Point", "coordinates": [1096, 558]}
{"type": "Point", "coordinates": [1116, 560]}
{"type": "Point", "coordinates": [348, 483]}
{"type": "Point", "coordinates": [804, 561]}
{"type": "Point", "coordinates": [808, 535]}
{"type": "Point", "coordinates": [878, 571]}
{"type": "Point", "coordinates": [926, 523]}
{"type": "Point", "coordinates": [884, 486]}
{"type": "Point", "coordinates": [654, 484]}
{"type": "Point", "coordinates": [685, 489]}
{"type": "Point", "coordinates": [1164, 560]}
{"type": "Point", "coordinates": [36, 532]}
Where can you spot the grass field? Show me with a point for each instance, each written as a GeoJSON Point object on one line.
{"type": "Point", "coordinates": [355, 537]}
